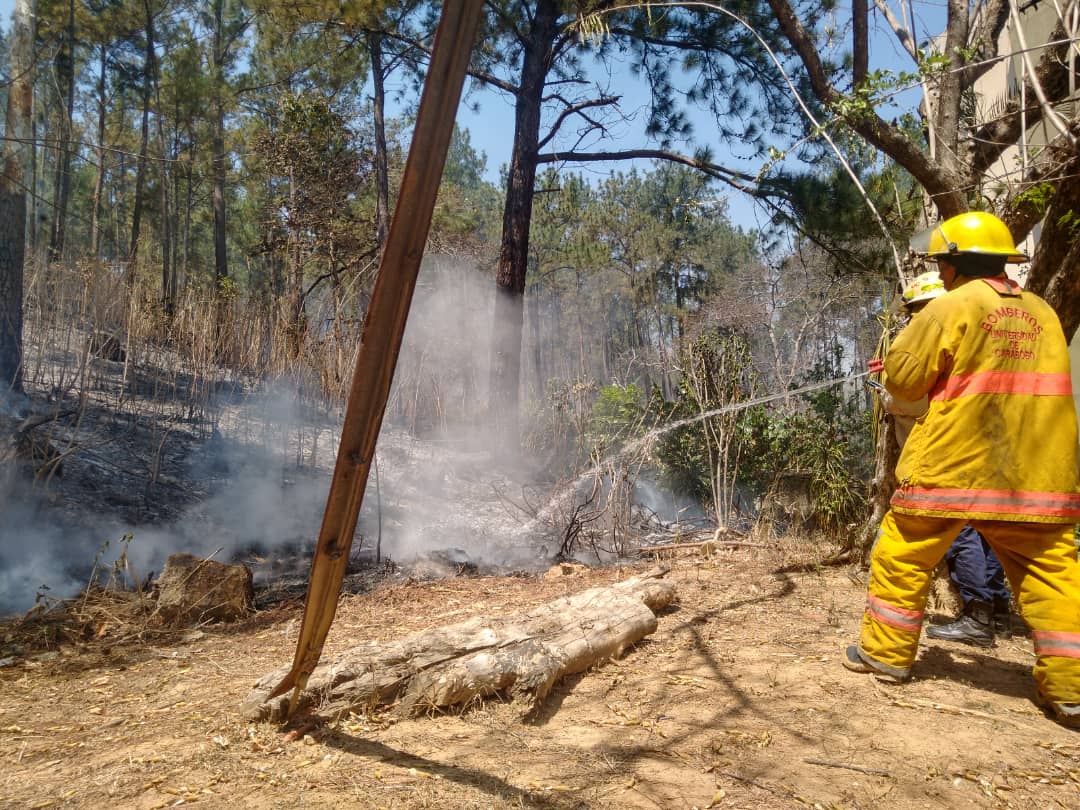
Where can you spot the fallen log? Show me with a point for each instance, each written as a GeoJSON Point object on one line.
{"type": "Point", "coordinates": [522, 655]}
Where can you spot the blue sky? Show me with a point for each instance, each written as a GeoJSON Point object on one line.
{"type": "Point", "coordinates": [491, 129]}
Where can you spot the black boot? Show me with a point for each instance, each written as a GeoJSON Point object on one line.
{"type": "Point", "coordinates": [1007, 622]}
{"type": "Point", "coordinates": [1003, 619]}
{"type": "Point", "coordinates": [975, 626]}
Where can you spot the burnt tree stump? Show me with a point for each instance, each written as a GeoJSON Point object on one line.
{"type": "Point", "coordinates": [29, 455]}
{"type": "Point", "coordinates": [191, 589]}
{"type": "Point", "coordinates": [522, 655]}
{"type": "Point", "coordinates": [25, 453]}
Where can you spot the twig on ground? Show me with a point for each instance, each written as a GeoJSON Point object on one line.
{"type": "Point", "coordinates": [769, 788]}
{"type": "Point", "coordinates": [945, 708]}
{"type": "Point", "coordinates": [859, 768]}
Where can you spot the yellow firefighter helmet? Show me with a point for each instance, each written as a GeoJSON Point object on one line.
{"type": "Point", "coordinates": [975, 232]}
{"type": "Point", "coordinates": [924, 288]}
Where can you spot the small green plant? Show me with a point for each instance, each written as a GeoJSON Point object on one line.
{"type": "Point", "coordinates": [702, 457]}
{"type": "Point", "coordinates": [1037, 197]}
{"type": "Point", "coordinates": [617, 414]}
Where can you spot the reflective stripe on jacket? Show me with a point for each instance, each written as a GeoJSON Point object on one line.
{"type": "Point", "coordinates": [1000, 438]}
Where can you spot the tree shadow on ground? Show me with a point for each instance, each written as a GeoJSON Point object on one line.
{"type": "Point", "coordinates": [472, 777]}
{"type": "Point", "coordinates": [546, 709]}
{"type": "Point", "coordinates": [980, 670]}
{"type": "Point", "coordinates": [742, 702]}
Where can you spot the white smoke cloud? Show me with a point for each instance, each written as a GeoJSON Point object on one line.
{"type": "Point", "coordinates": [438, 486]}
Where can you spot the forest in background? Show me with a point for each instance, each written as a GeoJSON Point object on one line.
{"type": "Point", "coordinates": [206, 188]}
{"type": "Point", "coordinates": [209, 188]}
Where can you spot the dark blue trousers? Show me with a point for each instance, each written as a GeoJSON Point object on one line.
{"type": "Point", "coordinates": [974, 568]}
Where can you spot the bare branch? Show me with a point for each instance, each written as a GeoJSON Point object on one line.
{"type": "Point", "coordinates": [745, 183]}
{"type": "Point", "coordinates": [479, 75]}
{"type": "Point", "coordinates": [571, 109]}
{"type": "Point", "coordinates": [906, 42]}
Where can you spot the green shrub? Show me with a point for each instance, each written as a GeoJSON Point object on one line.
{"type": "Point", "coordinates": [618, 414]}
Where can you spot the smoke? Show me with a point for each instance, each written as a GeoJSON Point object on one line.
{"type": "Point", "coordinates": [256, 502]}
{"type": "Point", "coordinates": [262, 475]}
{"type": "Point", "coordinates": [31, 557]}
{"type": "Point", "coordinates": [665, 505]}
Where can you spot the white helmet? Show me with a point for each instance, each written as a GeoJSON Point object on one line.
{"type": "Point", "coordinates": [924, 288]}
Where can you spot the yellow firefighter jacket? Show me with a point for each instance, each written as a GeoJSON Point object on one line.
{"type": "Point", "coordinates": [999, 441]}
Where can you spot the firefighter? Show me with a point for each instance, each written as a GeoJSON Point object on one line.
{"type": "Point", "coordinates": [997, 449]}
{"type": "Point", "coordinates": [973, 567]}
{"type": "Point", "coordinates": [916, 295]}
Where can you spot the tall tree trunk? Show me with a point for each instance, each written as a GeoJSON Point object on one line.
{"type": "Point", "coordinates": [185, 256]}
{"type": "Point", "coordinates": [168, 286]}
{"type": "Point", "coordinates": [36, 186]}
{"type": "Point", "coordinates": [582, 365]}
{"type": "Point", "coordinates": [168, 276]}
{"type": "Point", "coordinates": [65, 64]}
{"type": "Point", "coordinates": [99, 181]}
{"type": "Point", "coordinates": [176, 173]}
{"type": "Point", "coordinates": [174, 215]}
{"type": "Point", "coordinates": [295, 315]}
{"type": "Point", "coordinates": [535, 337]}
{"type": "Point", "coordinates": [514, 250]}
{"type": "Point", "coordinates": [144, 146]}
{"type": "Point", "coordinates": [16, 147]}
{"type": "Point", "coordinates": [608, 355]}
{"type": "Point", "coordinates": [119, 184]}
{"type": "Point", "coordinates": [950, 91]}
{"type": "Point", "coordinates": [382, 181]}
{"type": "Point", "coordinates": [221, 260]}
{"type": "Point", "coordinates": [663, 363]}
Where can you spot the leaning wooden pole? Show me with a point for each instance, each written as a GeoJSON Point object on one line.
{"type": "Point", "coordinates": [380, 340]}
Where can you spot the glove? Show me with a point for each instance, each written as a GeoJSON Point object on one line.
{"type": "Point", "coordinates": [876, 365]}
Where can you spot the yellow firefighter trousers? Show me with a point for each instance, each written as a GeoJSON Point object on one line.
{"type": "Point", "coordinates": [1039, 560]}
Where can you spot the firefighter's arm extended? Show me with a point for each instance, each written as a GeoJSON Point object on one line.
{"type": "Point", "coordinates": [904, 407]}
{"type": "Point", "coordinates": [916, 360]}
{"type": "Point", "coordinates": [898, 407]}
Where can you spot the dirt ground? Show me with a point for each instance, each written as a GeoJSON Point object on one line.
{"type": "Point", "coordinates": [738, 700]}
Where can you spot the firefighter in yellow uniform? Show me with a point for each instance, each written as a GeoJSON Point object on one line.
{"type": "Point", "coordinates": [997, 449]}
